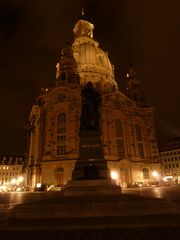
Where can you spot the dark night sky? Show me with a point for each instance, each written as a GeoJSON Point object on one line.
{"type": "Point", "coordinates": [32, 33]}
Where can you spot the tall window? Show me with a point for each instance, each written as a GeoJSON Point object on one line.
{"type": "Point", "coordinates": [139, 141]}
{"type": "Point", "coordinates": [138, 132]}
{"type": "Point", "coordinates": [61, 123]}
{"type": "Point", "coordinates": [61, 139]}
{"type": "Point", "coordinates": [141, 150]}
{"type": "Point", "coordinates": [61, 134]}
{"type": "Point", "coordinates": [61, 149]}
{"type": "Point", "coordinates": [145, 173]}
{"type": "Point", "coordinates": [59, 176]}
{"type": "Point", "coordinates": [62, 118]}
{"type": "Point", "coordinates": [119, 131]}
{"type": "Point", "coordinates": [119, 139]}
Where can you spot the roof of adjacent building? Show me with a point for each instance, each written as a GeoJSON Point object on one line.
{"type": "Point", "coordinates": [11, 159]}
{"type": "Point", "coordinates": [170, 144]}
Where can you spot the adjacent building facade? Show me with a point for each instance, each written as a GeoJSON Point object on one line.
{"type": "Point", "coordinates": [11, 168]}
{"type": "Point", "coordinates": [170, 159]}
{"type": "Point", "coordinates": [126, 120]}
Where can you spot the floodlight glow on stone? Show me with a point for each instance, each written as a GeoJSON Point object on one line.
{"type": "Point", "coordinates": [114, 175]}
{"type": "Point", "coordinates": [13, 181]}
{"type": "Point", "coordinates": [155, 174]}
{"type": "Point", "coordinates": [20, 179]}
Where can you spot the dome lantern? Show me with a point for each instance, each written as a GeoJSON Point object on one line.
{"type": "Point", "coordinates": [83, 28]}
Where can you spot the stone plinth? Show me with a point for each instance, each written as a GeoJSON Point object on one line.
{"type": "Point", "coordinates": [91, 163]}
{"type": "Point", "coordinates": [91, 187]}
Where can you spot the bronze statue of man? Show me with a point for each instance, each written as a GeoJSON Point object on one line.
{"type": "Point", "coordinates": [91, 101]}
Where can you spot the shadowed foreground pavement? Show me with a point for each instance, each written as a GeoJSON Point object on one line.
{"type": "Point", "coordinates": [92, 217]}
{"type": "Point", "coordinates": [155, 233]}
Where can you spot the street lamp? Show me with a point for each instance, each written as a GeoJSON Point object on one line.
{"type": "Point", "coordinates": [20, 179]}
{"type": "Point", "coordinates": [115, 176]}
{"type": "Point", "coordinates": [13, 181]}
{"type": "Point", "coordinates": [155, 174]}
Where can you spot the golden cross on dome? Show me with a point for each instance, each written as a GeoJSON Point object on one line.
{"type": "Point", "coordinates": [82, 12]}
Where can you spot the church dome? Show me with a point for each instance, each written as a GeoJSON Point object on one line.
{"type": "Point", "coordinates": [92, 62]}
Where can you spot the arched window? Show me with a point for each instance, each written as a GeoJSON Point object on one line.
{"type": "Point", "coordinates": [119, 139]}
{"type": "Point", "coordinates": [139, 141]}
{"type": "Point", "coordinates": [100, 59]}
{"type": "Point", "coordinates": [145, 173]}
{"type": "Point", "coordinates": [61, 134]}
{"type": "Point", "coordinates": [60, 176]}
{"type": "Point", "coordinates": [61, 97]}
{"type": "Point", "coordinates": [138, 132]}
{"type": "Point", "coordinates": [119, 131]}
{"type": "Point", "coordinates": [62, 118]}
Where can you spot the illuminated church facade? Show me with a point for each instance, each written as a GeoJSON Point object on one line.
{"type": "Point", "coordinates": [126, 120]}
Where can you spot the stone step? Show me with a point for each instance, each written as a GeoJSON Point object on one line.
{"type": "Point", "coordinates": [93, 208]}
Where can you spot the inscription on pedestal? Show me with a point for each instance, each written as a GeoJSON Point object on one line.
{"type": "Point", "coordinates": [90, 145]}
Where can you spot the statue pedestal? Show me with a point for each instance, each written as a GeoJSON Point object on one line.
{"type": "Point", "coordinates": [91, 163]}
{"type": "Point", "coordinates": [91, 187]}
{"type": "Point", "coordinates": [91, 175]}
